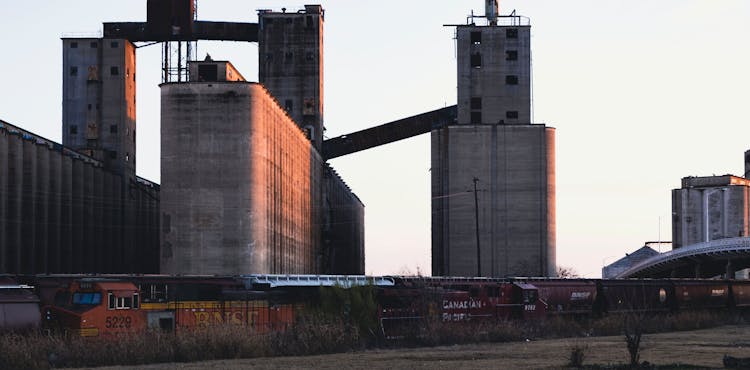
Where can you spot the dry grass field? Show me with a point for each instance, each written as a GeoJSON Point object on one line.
{"type": "Point", "coordinates": [699, 348]}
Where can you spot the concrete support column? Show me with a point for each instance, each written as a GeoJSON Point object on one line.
{"type": "Point", "coordinates": [76, 253]}
{"type": "Point", "coordinates": [98, 222]}
{"type": "Point", "coordinates": [28, 208]}
{"type": "Point", "coordinates": [154, 230]}
{"type": "Point", "coordinates": [15, 202]}
{"type": "Point", "coordinates": [729, 270]}
{"type": "Point", "coordinates": [110, 205]}
{"type": "Point", "coordinates": [3, 199]}
{"type": "Point", "coordinates": [66, 213]}
{"type": "Point", "coordinates": [54, 236]}
{"type": "Point", "coordinates": [118, 222]}
{"type": "Point", "coordinates": [43, 199]}
{"type": "Point", "coordinates": [88, 219]}
{"type": "Point", "coordinates": [129, 243]}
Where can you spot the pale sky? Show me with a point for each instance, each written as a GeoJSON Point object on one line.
{"type": "Point", "coordinates": [642, 93]}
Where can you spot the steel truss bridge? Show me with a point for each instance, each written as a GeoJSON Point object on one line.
{"type": "Point", "coordinates": [703, 260]}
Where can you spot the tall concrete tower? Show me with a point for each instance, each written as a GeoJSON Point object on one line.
{"type": "Point", "coordinates": [290, 49]}
{"type": "Point", "coordinates": [99, 101]}
{"type": "Point", "coordinates": [507, 225]}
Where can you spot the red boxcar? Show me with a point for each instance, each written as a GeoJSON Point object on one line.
{"type": "Point", "coordinates": [566, 296]}
{"type": "Point", "coordinates": [703, 294]}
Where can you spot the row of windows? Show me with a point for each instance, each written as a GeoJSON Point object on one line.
{"type": "Point", "coordinates": [113, 71]}
{"type": "Point", "coordinates": [309, 22]}
{"type": "Point", "coordinates": [475, 60]}
{"type": "Point", "coordinates": [476, 116]}
{"type": "Point", "coordinates": [309, 106]}
{"type": "Point", "coordinates": [476, 36]}
{"type": "Point", "coordinates": [94, 45]}
{"type": "Point", "coordinates": [289, 56]}
{"type": "Point", "coordinates": [73, 129]}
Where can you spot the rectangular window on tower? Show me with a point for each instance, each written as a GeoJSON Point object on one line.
{"type": "Point", "coordinates": [511, 80]}
{"type": "Point", "coordinates": [208, 72]}
{"type": "Point", "coordinates": [476, 103]}
{"type": "Point", "coordinates": [511, 33]}
{"type": "Point", "coordinates": [74, 71]}
{"type": "Point", "coordinates": [511, 114]}
{"type": "Point", "coordinates": [476, 38]}
{"type": "Point", "coordinates": [73, 129]}
{"type": "Point", "coordinates": [288, 105]}
{"type": "Point", "coordinates": [114, 71]}
{"type": "Point", "coordinates": [73, 45]}
{"type": "Point", "coordinates": [511, 55]}
{"type": "Point", "coordinates": [476, 118]}
{"type": "Point", "coordinates": [112, 129]}
{"type": "Point", "coordinates": [476, 60]}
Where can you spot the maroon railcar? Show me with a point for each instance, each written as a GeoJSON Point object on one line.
{"type": "Point", "coordinates": [627, 295]}
{"type": "Point", "coordinates": [741, 293]}
{"type": "Point", "coordinates": [566, 296]}
{"type": "Point", "coordinates": [404, 311]}
{"type": "Point", "coordinates": [703, 294]}
{"type": "Point", "coordinates": [455, 300]}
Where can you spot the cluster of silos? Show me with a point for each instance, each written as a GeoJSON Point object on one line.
{"type": "Point", "coordinates": [238, 180]}
{"type": "Point", "coordinates": [244, 187]}
{"type": "Point", "coordinates": [63, 212]}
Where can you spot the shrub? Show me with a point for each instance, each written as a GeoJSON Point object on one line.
{"type": "Point", "coordinates": [577, 355]}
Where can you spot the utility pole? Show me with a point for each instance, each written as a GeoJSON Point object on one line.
{"type": "Point", "coordinates": [476, 223]}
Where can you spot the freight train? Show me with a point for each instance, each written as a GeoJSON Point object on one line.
{"type": "Point", "coordinates": [105, 305]}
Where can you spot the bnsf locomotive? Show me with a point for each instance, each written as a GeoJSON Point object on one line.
{"type": "Point", "coordinates": [105, 305]}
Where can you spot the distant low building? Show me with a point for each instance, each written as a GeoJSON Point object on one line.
{"type": "Point", "coordinates": [630, 259]}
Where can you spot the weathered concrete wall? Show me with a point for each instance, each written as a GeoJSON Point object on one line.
{"type": "Point", "coordinates": [118, 124]}
{"type": "Point", "coordinates": [81, 89]}
{"type": "Point", "coordinates": [290, 52]}
{"type": "Point", "coordinates": [343, 247]}
{"type": "Point", "coordinates": [99, 101]}
{"type": "Point", "coordinates": [710, 208]}
{"type": "Point", "coordinates": [515, 168]}
{"type": "Point", "coordinates": [494, 141]}
{"type": "Point", "coordinates": [56, 207]}
{"type": "Point", "coordinates": [239, 183]}
{"type": "Point", "coordinates": [494, 70]}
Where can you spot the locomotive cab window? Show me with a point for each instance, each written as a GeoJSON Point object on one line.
{"type": "Point", "coordinates": [124, 303]}
{"type": "Point", "coordinates": [529, 296]}
{"type": "Point", "coordinates": [87, 298]}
